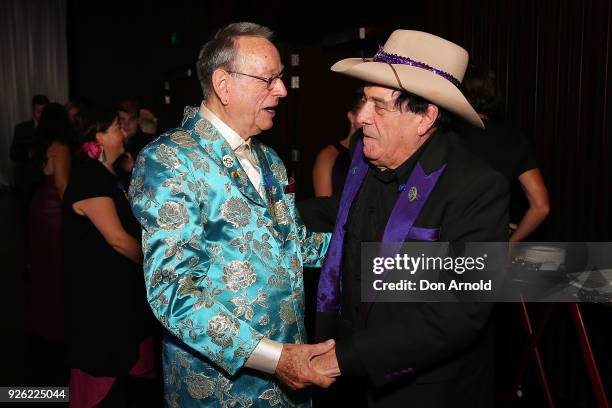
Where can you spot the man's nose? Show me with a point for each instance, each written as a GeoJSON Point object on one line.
{"type": "Point", "coordinates": [280, 91]}
{"type": "Point", "coordinates": [363, 116]}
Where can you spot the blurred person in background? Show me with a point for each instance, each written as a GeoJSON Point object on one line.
{"type": "Point", "coordinates": [50, 169]}
{"type": "Point", "coordinates": [147, 122]}
{"type": "Point", "coordinates": [506, 150]}
{"type": "Point", "coordinates": [130, 118]}
{"type": "Point", "coordinates": [110, 323]}
{"type": "Point", "coordinates": [21, 147]}
{"type": "Point", "coordinates": [332, 162]}
{"type": "Point", "coordinates": [129, 112]}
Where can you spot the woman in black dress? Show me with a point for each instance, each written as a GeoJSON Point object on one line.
{"type": "Point", "coordinates": [332, 163]}
{"type": "Point", "coordinates": [110, 322]}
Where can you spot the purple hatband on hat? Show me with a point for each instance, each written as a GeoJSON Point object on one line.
{"type": "Point", "coordinates": [382, 56]}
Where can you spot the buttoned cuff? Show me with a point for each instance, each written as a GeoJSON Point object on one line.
{"type": "Point", "coordinates": [265, 356]}
{"type": "Point", "coordinates": [349, 362]}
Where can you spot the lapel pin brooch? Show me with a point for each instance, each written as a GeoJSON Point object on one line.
{"type": "Point", "coordinates": [228, 161]}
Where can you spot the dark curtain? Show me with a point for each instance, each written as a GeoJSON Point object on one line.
{"type": "Point", "coordinates": [33, 60]}
{"type": "Point", "coordinates": [552, 59]}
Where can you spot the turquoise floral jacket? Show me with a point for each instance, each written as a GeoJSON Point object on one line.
{"type": "Point", "coordinates": [223, 266]}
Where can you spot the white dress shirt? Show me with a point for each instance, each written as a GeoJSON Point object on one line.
{"type": "Point", "coordinates": [267, 353]}
{"type": "Point", "coordinates": [241, 148]}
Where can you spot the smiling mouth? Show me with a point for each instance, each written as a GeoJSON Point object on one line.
{"type": "Point", "coordinates": [271, 110]}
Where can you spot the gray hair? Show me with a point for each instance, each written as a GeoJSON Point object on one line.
{"type": "Point", "coordinates": [220, 52]}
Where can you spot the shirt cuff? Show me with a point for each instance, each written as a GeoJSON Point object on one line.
{"type": "Point", "coordinates": [265, 356]}
{"type": "Point", "coordinates": [349, 362]}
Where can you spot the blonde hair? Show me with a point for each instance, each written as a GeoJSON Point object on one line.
{"type": "Point", "coordinates": [147, 121]}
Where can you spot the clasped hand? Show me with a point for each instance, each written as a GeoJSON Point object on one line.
{"type": "Point", "coordinates": [301, 365]}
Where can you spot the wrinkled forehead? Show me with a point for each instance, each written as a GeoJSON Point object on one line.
{"type": "Point", "coordinates": [259, 54]}
{"type": "Point", "coordinates": [379, 93]}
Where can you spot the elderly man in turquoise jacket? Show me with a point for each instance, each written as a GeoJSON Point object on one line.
{"type": "Point", "coordinates": [223, 245]}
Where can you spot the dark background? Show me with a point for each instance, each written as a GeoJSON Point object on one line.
{"type": "Point", "coordinates": [552, 59]}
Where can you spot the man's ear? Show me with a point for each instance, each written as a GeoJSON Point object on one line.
{"type": "Point", "coordinates": [221, 85]}
{"type": "Point", "coordinates": [351, 118]}
{"type": "Point", "coordinates": [428, 118]}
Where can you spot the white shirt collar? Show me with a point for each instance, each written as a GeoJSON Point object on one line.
{"type": "Point", "coordinates": [229, 134]}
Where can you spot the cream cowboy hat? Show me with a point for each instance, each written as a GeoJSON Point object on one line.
{"type": "Point", "coordinates": [420, 63]}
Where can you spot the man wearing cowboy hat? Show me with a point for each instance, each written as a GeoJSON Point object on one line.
{"type": "Point", "coordinates": [411, 180]}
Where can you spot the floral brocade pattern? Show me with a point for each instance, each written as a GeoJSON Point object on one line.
{"type": "Point", "coordinates": [183, 139]}
{"type": "Point", "coordinates": [238, 275]}
{"type": "Point", "coordinates": [222, 265]}
{"type": "Point", "coordinates": [199, 386]}
{"type": "Point", "coordinates": [172, 215]}
{"type": "Point", "coordinates": [206, 130]}
{"type": "Point", "coordinates": [221, 330]}
{"type": "Point", "coordinates": [236, 211]}
{"type": "Point", "coordinates": [282, 213]}
{"type": "Point", "coordinates": [167, 157]}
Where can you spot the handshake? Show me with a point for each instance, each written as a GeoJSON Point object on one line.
{"type": "Point", "coordinates": [301, 365]}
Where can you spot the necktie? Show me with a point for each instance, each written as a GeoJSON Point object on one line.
{"type": "Point", "coordinates": [250, 166]}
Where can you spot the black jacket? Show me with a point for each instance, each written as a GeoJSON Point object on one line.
{"type": "Point", "coordinates": [448, 344]}
{"type": "Point", "coordinates": [22, 141]}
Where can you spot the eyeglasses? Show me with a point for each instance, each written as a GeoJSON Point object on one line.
{"type": "Point", "coordinates": [271, 81]}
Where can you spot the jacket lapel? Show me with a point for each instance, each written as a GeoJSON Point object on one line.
{"type": "Point", "coordinates": [211, 140]}
{"type": "Point", "coordinates": [421, 182]}
{"type": "Point", "coordinates": [330, 283]}
{"type": "Point", "coordinates": [275, 194]}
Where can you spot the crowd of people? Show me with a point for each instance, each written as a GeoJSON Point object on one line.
{"type": "Point", "coordinates": [84, 252]}
{"type": "Point", "coordinates": [194, 237]}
